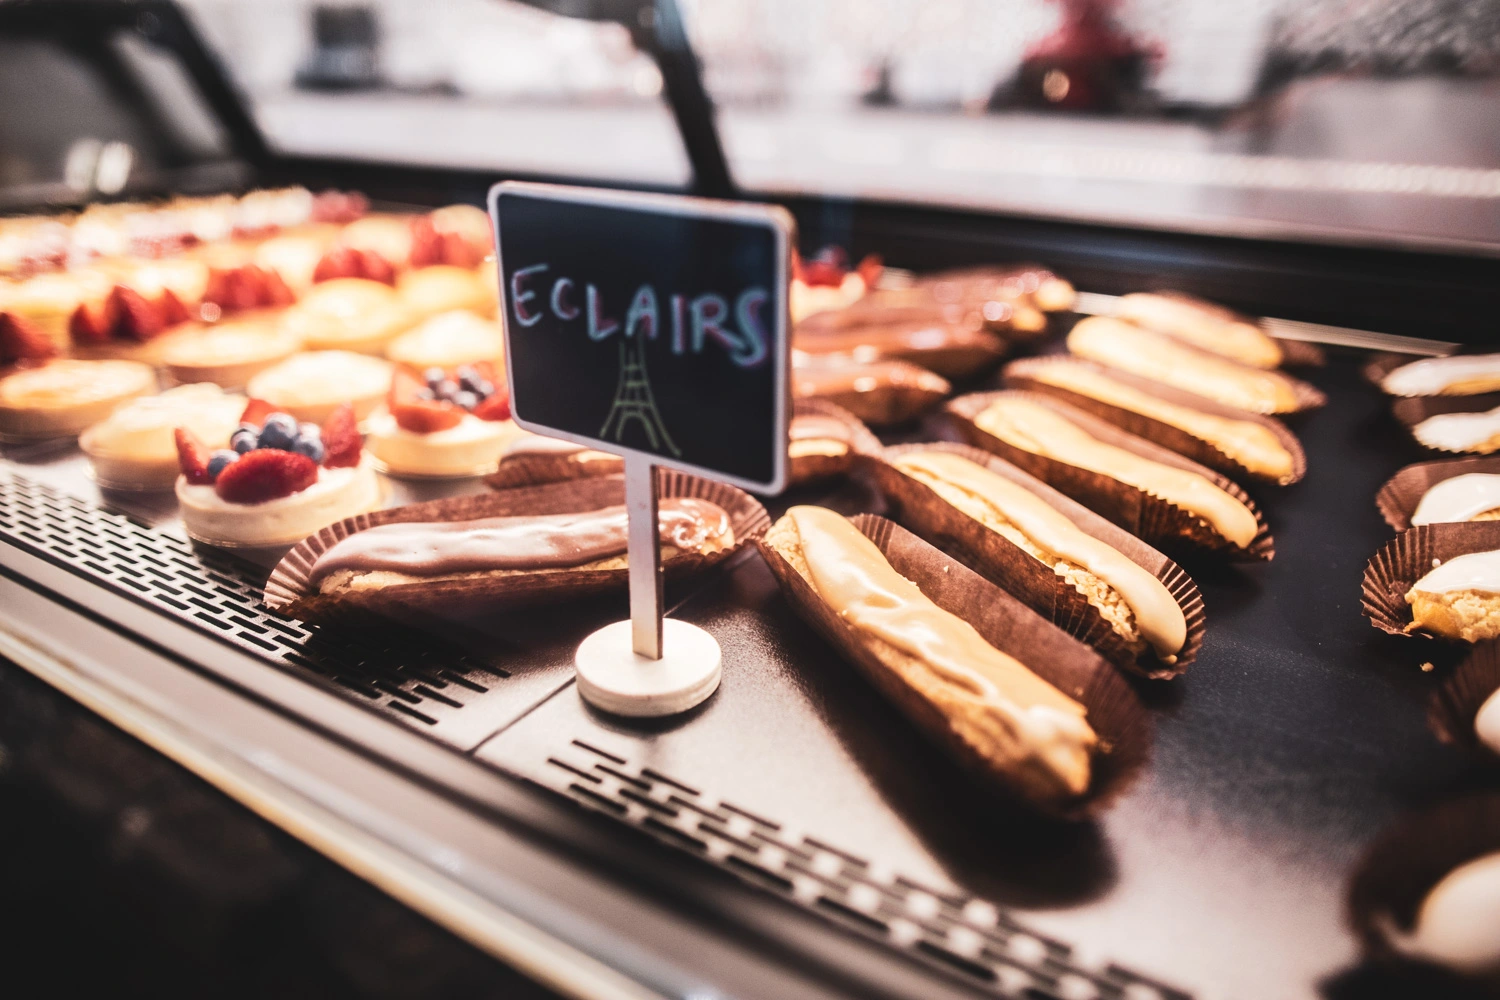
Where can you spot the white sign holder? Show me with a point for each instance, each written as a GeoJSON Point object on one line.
{"type": "Point", "coordinates": [646, 666]}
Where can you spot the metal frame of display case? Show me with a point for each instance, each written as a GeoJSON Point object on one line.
{"type": "Point", "coordinates": [598, 875]}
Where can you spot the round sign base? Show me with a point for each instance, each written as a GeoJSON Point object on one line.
{"type": "Point", "coordinates": [612, 678]}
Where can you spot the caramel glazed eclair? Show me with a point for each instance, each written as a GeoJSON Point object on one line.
{"type": "Point", "coordinates": [1134, 602]}
{"type": "Point", "coordinates": [426, 552]}
{"type": "Point", "coordinates": [1460, 599]}
{"type": "Point", "coordinates": [1032, 427]}
{"type": "Point", "coordinates": [1158, 357]}
{"type": "Point", "coordinates": [1020, 725]}
{"type": "Point", "coordinates": [1249, 444]}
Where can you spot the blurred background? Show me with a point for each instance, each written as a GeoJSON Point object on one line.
{"type": "Point", "coordinates": [1358, 120]}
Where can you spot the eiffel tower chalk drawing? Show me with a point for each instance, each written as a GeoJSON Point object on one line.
{"type": "Point", "coordinates": [633, 400]}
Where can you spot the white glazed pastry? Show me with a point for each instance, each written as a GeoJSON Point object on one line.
{"type": "Point", "coordinates": [62, 397]}
{"type": "Point", "coordinates": [1460, 599]}
{"type": "Point", "coordinates": [1474, 496]}
{"type": "Point", "coordinates": [1487, 722]}
{"type": "Point", "coordinates": [1459, 375]}
{"type": "Point", "coordinates": [309, 386]}
{"type": "Point", "coordinates": [1458, 923]}
{"type": "Point", "coordinates": [134, 449]}
{"type": "Point", "coordinates": [1468, 432]}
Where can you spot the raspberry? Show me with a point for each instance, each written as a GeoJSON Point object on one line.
{"type": "Point", "coordinates": [264, 475]}
{"type": "Point", "coordinates": [341, 441]}
{"type": "Point", "coordinates": [192, 457]}
{"type": "Point", "coordinates": [426, 243]}
{"type": "Point", "coordinates": [20, 341]}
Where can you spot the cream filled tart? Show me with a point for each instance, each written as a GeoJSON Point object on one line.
{"type": "Point", "coordinates": [428, 291]}
{"type": "Point", "coordinates": [1202, 324]}
{"type": "Point", "coordinates": [447, 340]}
{"type": "Point", "coordinates": [442, 422]}
{"type": "Point", "coordinates": [985, 703]}
{"type": "Point", "coordinates": [230, 353]}
{"type": "Point", "coordinates": [1134, 603]}
{"type": "Point", "coordinates": [1040, 430]}
{"type": "Point", "coordinates": [1188, 424]}
{"type": "Point", "coordinates": [134, 448]}
{"type": "Point", "coordinates": [311, 385]}
{"type": "Point", "coordinates": [1160, 358]}
{"type": "Point", "coordinates": [61, 397]}
{"type": "Point", "coordinates": [1458, 375]}
{"type": "Point", "coordinates": [350, 314]}
{"type": "Point", "coordinates": [278, 482]}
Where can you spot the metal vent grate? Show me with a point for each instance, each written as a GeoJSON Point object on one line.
{"type": "Point", "coordinates": [971, 937]}
{"type": "Point", "coordinates": [409, 675]}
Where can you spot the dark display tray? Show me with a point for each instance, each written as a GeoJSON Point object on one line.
{"type": "Point", "coordinates": [1295, 737]}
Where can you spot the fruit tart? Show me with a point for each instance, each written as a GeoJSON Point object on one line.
{"type": "Point", "coordinates": [48, 301]}
{"type": "Point", "coordinates": [43, 396]}
{"type": "Point", "coordinates": [229, 353]}
{"type": "Point", "coordinates": [431, 290]}
{"type": "Point", "coordinates": [278, 482]}
{"type": "Point", "coordinates": [310, 386]}
{"type": "Point", "coordinates": [443, 422]}
{"type": "Point", "coordinates": [134, 448]}
{"type": "Point", "coordinates": [448, 340]}
{"type": "Point", "coordinates": [349, 314]}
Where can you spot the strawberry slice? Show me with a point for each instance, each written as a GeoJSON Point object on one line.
{"type": "Point", "coordinates": [277, 291]}
{"type": "Point", "coordinates": [192, 457]}
{"type": "Point", "coordinates": [822, 272]}
{"type": "Point", "coordinates": [869, 269]}
{"type": "Point", "coordinates": [138, 319]}
{"type": "Point", "coordinates": [265, 474]}
{"type": "Point", "coordinates": [495, 406]}
{"type": "Point", "coordinates": [256, 412]}
{"type": "Point", "coordinates": [218, 291]}
{"type": "Point", "coordinates": [249, 285]}
{"type": "Point", "coordinates": [89, 324]}
{"type": "Point", "coordinates": [172, 309]}
{"type": "Point", "coordinates": [413, 413]}
{"type": "Point", "coordinates": [341, 441]}
{"type": "Point", "coordinates": [21, 341]}
{"type": "Point", "coordinates": [340, 262]}
{"type": "Point", "coordinates": [426, 243]}
{"type": "Point", "coordinates": [375, 267]}
{"type": "Point", "coordinates": [460, 252]}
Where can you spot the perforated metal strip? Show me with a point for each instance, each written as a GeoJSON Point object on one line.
{"type": "Point", "coordinates": [970, 937]}
{"type": "Point", "coordinates": [410, 676]}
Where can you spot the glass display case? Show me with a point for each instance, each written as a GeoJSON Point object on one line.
{"type": "Point", "coordinates": [1326, 168]}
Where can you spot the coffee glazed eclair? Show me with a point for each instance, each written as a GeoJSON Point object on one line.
{"type": "Point", "coordinates": [1199, 428]}
{"type": "Point", "coordinates": [1132, 601]}
{"type": "Point", "coordinates": [1202, 510]}
{"type": "Point", "coordinates": [1202, 324]}
{"type": "Point", "coordinates": [937, 666]}
{"type": "Point", "coordinates": [1161, 358]}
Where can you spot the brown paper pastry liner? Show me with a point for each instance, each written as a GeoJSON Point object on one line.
{"type": "Point", "coordinates": [1037, 585]}
{"type": "Point", "coordinates": [537, 470]}
{"type": "Point", "coordinates": [1301, 354]}
{"type": "Point", "coordinates": [1113, 709]}
{"type": "Point", "coordinates": [290, 591]}
{"type": "Point", "coordinates": [1453, 707]}
{"type": "Point", "coordinates": [1399, 497]}
{"type": "Point", "coordinates": [1019, 375]}
{"type": "Point", "coordinates": [890, 403]}
{"type": "Point", "coordinates": [1407, 558]}
{"type": "Point", "coordinates": [1152, 519]}
{"type": "Point", "coordinates": [1409, 859]}
{"type": "Point", "coordinates": [1412, 410]}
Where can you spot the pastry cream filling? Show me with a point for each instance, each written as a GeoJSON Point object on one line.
{"type": "Point", "coordinates": [852, 576]}
{"type": "Point", "coordinates": [978, 492]}
{"type": "Point", "coordinates": [1246, 442]}
{"type": "Point", "coordinates": [230, 344]}
{"type": "Point", "coordinates": [322, 377]}
{"type": "Point", "coordinates": [1460, 431]}
{"type": "Point", "coordinates": [1487, 722]}
{"type": "Point", "coordinates": [1160, 358]}
{"type": "Point", "coordinates": [1462, 498]}
{"type": "Point", "coordinates": [74, 383]}
{"type": "Point", "coordinates": [1457, 922]}
{"type": "Point", "coordinates": [1030, 427]}
{"type": "Point", "coordinates": [1460, 375]}
{"type": "Point", "coordinates": [1202, 327]}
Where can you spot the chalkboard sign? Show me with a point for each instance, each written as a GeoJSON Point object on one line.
{"type": "Point", "coordinates": [652, 325]}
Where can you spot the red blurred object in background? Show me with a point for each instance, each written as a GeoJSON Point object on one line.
{"type": "Point", "coordinates": [1087, 64]}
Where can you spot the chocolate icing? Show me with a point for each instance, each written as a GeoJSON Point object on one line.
{"type": "Point", "coordinates": [553, 541]}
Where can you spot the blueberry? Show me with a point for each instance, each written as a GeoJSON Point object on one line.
{"type": "Point", "coordinates": [446, 389]}
{"type": "Point", "coordinates": [434, 375]}
{"type": "Point", "coordinates": [309, 443]}
{"type": "Point", "coordinates": [466, 399]}
{"type": "Point", "coordinates": [244, 438]}
{"type": "Point", "coordinates": [220, 460]}
{"type": "Point", "coordinates": [483, 388]}
{"type": "Point", "coordinates": [279, 431]}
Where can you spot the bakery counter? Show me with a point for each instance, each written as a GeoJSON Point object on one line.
{"type": "Point", "coordinates": [1296, 736]}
